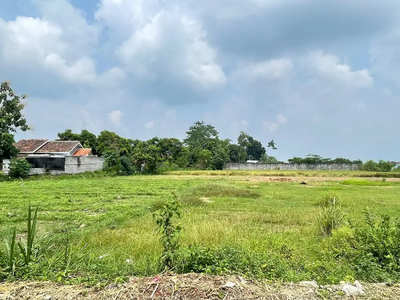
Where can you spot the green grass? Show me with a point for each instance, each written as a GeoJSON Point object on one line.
{"type": "Point", "coordinates": [281, 173]}
{"type": "Point", "coordinates": [108, 225]}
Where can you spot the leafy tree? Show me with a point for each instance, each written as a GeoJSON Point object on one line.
{"type": "Point", "coordinates": [108, 141]}
{"type": "Point", "coordinates": [88, 140]}
{"type": "Point", "coordinates": [200, 136]}
{"type": "Point", "coordinates": [68, 135]}
{"type": "Point", "coordinates": [7, 148]}
{"type": "Point", "coordinates": [204, 144]}
{"type": "Point", "coordinates": [11, 119]}
{"type": "Point", "coordinates": [266, 159]}
{"type": "Point", "coordinates": [147, 155]}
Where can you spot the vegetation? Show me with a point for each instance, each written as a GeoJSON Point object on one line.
{"type": "Point", "coordinates": [11, 119]}
{"type": "Point", "coordinates": [96, 228]}
{"type": "Point", "coordinates": [19, 168]}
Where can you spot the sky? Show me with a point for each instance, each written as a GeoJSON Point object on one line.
{"type": "Point", "coordinates": [318, 77]}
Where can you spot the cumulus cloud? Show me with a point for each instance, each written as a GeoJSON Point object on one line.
{"type": "Point", "coordinates": [273, 126]}
{"type": "Point", "coordinates": [238, 65]}
{"type": "Point", "coordinates": [269, 70]}
{"type": "Point", "coordinates": [329, 65]}
{"type": "Point", "coordinates": [115, 117]}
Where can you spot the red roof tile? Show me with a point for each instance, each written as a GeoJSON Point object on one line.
{"type": "Point", "coordinates": [59, 146]}
{"type": "Point", "coordinates": [29, 146]}
{"type": "Point", "coordinates": [83, 152]}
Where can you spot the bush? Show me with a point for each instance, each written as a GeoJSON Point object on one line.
{"type": "Point", "coordinates": [19, 168]}
{"type": "Point", "coordinates": [126, 166]}
{"type": "Point", "coordinates": [381, 166]}
{"type": "Point", "coordinates": [372, 248]}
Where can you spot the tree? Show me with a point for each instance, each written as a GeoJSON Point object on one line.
{"type": "Point", "coordinates": [11, 119]}
{"type": "Point", "coordinates": [200, 136]}
{"type": "Point", "coordinates": [204, 144]}
{"type": "Point", "coordinates": [108, 141]}
{"type": "Point", "coordinates": [68, 135]}
{"type": "Point", "coordinates": [86, 138]}
{"type": "Point", "coordinates": [253, 148]}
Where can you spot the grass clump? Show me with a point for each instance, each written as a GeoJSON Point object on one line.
{"type": "Point", "coordinates": [330, 215]}
{"type": "Point", "coordinates": [217, 190]}
{"type": "Point", "coordinates": [359, 182]}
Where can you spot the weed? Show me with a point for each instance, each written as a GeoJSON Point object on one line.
{"type": "Point", "coordinates": [192, 200]}
{"type": "Point", "coordinates": [27, 247]}
{"type": "Point", "coordinates": [330, 216]}
{"type": "Point", "coordinates": [170, 234]}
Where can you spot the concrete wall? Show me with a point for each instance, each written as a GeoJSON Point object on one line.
{"type": "Point", "coordinates": [80, 164]}
{"type": "Point", "coordinates": [291, 167]}
{"type": "Point", "coordinates": [74, 165]}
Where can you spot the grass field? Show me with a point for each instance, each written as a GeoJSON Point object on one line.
{"type": "Point", "coordinates": [96, 229]}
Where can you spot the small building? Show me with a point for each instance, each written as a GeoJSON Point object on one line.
{"type": "Point", "coordinates": [58, 157]}
{"type": "Point", "coordinates": [252, 162]}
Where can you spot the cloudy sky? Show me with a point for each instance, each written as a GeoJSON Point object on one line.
{"type": "Point", "coordinates": [316, 76]}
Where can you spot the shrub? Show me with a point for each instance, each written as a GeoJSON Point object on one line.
{"type": "Point", "coordinates": [372, 248]}
{"type": "Point", "coordinates": [126, 166]}
{"type": "Point", "coordinates": [170, 233]}
{"type": "Point", "coordinates": [330, 216]}
{"type": "Point", "coordinates": [19, 168]}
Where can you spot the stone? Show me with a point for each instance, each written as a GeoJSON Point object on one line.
{"type": "Point", "coordinates": [353, 290]}
{"type": "Point", "coordinates": [311, 284]}
{"type": "Point", "coordinates": [228, 285]}
{"type": "Point", "coordinates": [48, 297]}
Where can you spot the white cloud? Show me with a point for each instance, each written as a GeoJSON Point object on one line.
{"type": "Point", "coordinates": [273, 126]}
{"type": "Point", "coordinates": [270, 69]}
{"type": "Point", "coordinates": [159, 43]}
{"type": "Point", "coordinates": [244, 123]}
{"type": "Point", "coordinates": [281, 119]}
{"type": "Point", "coordinates": [328, 65]}
{"type": "Point", "coordinates": [115, 117]}
{"type": "Point", "coordinates": [149, 125]}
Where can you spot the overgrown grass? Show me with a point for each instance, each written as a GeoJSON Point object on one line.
{"type": "Point", "coordinates": [100, 229]}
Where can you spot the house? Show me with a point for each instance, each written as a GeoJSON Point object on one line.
{"type": "Point", "coordinates": [58, 157]}
{"type": "Point", "coordinates": [27, 147]}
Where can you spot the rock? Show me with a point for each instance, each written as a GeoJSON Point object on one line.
{"type": "Point", "coordinates": [82, 226]}
{"type": "Point", "coordinates": [311, 284]}
{"type": "Point", "coordinates": [353, 290]}
{"type": "Point", "coordinates": [241, 279]}
{"type": "Point", "coordinates": [10, 215]}
{"type": "Point", "coordinates": [228, 285]}
{"type": "Point", "coordinates": [48, 297]}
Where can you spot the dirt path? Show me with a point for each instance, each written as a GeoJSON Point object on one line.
{"type": "Point", "coordinates": [192, 286]}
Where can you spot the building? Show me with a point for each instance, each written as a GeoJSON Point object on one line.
{"type": "Point", "coordinates": [58, 157]}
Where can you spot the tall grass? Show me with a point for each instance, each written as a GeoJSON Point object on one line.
{"type": "Point", "coordinates": [330, 215]}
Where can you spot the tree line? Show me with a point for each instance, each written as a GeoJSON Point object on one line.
{"type": "Point", "coordinates": [201, 149]}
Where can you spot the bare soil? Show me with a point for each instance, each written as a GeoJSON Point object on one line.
{"type": "Point", "coordinates": [191, 286]}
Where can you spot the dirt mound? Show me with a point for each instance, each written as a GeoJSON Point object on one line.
{"type": "Point", "coordinates": [191, 286]}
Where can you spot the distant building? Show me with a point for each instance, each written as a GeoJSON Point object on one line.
{"type": "Point", "coordinates": [58, 157]}
{"type": "Point", "coordinates": [252, 162]}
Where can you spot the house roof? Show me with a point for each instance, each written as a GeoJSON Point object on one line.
{"type": "Point", "coordinates": [30, 146]}
{"type": "Point", "coordinates": [83, 152]}
{"type": "Point", "coordinates": [58, 146]}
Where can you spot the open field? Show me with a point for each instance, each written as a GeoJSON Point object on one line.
{"type": "Point", "coordinates": [102, 230]}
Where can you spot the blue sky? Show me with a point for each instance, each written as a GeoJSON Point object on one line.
{"type": "Point", "coordinates": [316, 76]}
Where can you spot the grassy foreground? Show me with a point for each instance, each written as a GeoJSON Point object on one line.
{"type": "Point", "coordinates": [101, 229]}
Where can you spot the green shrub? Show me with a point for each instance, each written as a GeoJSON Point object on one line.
{"type": "Point", "coordinates": [126, 166]}
{"type": "Point", "coordinates": [19, 168]}
{"type": "Point", "coordinates": [330, 216]}
{"type": "Point", "coordinates": [381, 166]}
{"type": "Point", "coordinates": [371, 248]}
